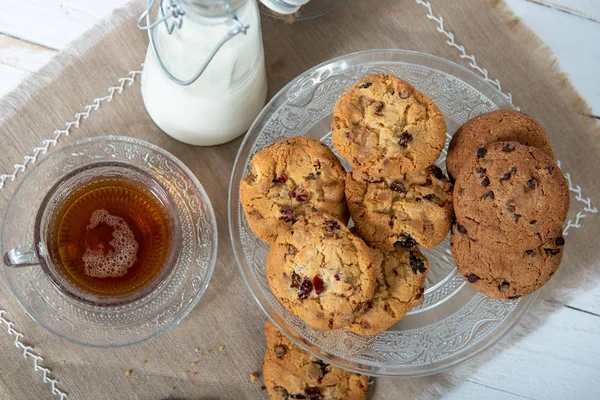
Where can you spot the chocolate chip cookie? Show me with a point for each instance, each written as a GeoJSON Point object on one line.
{"type": "Point", "coordinates": [505, 275]}
{"type": "Point", "coordinates": [309, 369]}
{"type": "Point", "coordinates": [321, 272]}
{"type": "Point", "coordinates": [384, 126]}
{"type": "Point", "coordinates": [494, 126]}
{"type": "Point", "coordinates": [405, 210]}
{"type": "Point", "coordinates": [288, 180]}
{"type": "Point", "coordinates": [511, 197]}
{"type": "Point", "coordinates": [400, 287]}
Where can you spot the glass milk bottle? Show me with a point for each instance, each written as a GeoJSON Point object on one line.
{"type": "Point", "coordinates": [204, 78]}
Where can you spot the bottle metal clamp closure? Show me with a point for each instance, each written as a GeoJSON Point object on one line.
{"type": "Point", "coordinates": [174, 11]}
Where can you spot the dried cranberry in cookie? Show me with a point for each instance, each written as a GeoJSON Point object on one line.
{"type": "Point", "coordinates": [383, 126]}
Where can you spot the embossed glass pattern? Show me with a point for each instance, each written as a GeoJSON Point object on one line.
{"type": "Point", "coordinates": [454, 323]}
{"type": "Point", "coordinates": [143, 319]}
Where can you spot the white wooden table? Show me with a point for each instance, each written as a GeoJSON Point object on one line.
{"type": "Point", "coordinates": [561, 359]}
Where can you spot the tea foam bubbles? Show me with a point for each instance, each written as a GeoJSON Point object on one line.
{"type": "Point", "coordinates": [101, 264]}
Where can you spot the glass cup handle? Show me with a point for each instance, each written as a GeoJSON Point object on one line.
{"type": "Point", "coordinates": [23, 256]}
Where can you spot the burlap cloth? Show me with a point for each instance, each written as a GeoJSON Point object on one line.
{"type": "Point", "coordinates": [227, 315]}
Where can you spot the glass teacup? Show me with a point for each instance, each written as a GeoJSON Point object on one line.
{"type": "Point", "coordinates": [41, 238]}
{"type": "Point", "coordinates": [106, 233]}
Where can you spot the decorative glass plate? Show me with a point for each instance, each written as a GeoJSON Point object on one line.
{"type": "Point", "coordinates": [454, 323]}
{"type": "Point", "coordinates": [131, 323]}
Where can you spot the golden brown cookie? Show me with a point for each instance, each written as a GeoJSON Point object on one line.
{"type": "Point", "coordinates": [400, 287]}
{"type": "Point", "coordinates": [402, 210]}
{"type": "Point", "coordinates": [385, 127]}
{"type": "Point", "coordinates": [282, 384]}
{"type": "Point", "coordinates": [302, 365]}
{"type": "Point", "coordinates": [494, 126]}
{"type": "Point", "coordinates": [321, 272]}
{"type": "Point", "coordinates": [290, 179]}
{"type": "Point", "coordinates": [511, 197]}
{"type": "Point", "coordinates": [505, 275]}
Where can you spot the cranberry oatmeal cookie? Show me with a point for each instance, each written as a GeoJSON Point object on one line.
{"type": "Point", "coordinates": [494, 126]}
{"type": "Point", "coordinates": [402, 210]}
{"type": "Point", "coordinates": [511, 197]}
{"type": "Point", "coordinates": [321, 272]}
{"type": "Point", "coordinates": [384, 126]}
{"type": "Point", "coordinates": [288, 180]}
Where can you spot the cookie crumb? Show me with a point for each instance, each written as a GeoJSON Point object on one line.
{"type": "Point", "coordinates": [253, 377]}
{"type": "Point", "coordinates": [221, 348]}
{"type": "Point", "coordinates": [128, 372]}
{"type": "Point", "coordinates": [194, 362]}
{"type": "Point", "coordinates": [172, 389]}
{"type": "Point", "coordinates": [144, 362]}
{"type": "Point", "coordinates": [62, 361]}
{"type": "Point", "coordinates": [194, 373]}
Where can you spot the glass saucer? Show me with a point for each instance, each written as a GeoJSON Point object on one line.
{"type": "Point", "coordinates": [454, 323]}
{"type": "Point", "coordinates": [131, 323]}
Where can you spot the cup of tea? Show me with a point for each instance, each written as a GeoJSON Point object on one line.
{"type": "Point", "coordinates": [111, 231]}
{"type": "Point", "coordinates": [106, 233]}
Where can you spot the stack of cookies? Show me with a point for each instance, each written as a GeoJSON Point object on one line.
{"type": "Point", "coordinates": [296, 199]}
{"type": "Point", "coordinates": [511, 200]}
{"type": "Point", "coordinates": [392, 134]}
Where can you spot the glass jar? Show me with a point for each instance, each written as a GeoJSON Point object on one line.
{"type": "Point", "coordinates": [204, 78]}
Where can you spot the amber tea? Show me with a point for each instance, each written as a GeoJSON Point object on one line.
{"type": "Point", "coordinates": [111, 236]}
